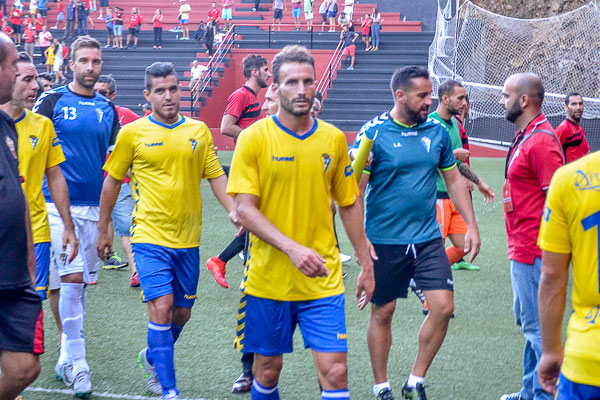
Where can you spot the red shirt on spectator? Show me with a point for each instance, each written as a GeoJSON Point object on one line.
{"type": "Point", "coordinates": [125, 116]}
{"type": "Point", "coordinates": [214, 14]}
{"type": "Point", "coordinates": [86, 3]}
{"type": "Point", "coordinates": [62, 8]}
{"type": "Point", "coordinates": [65, 53]}
{"type": "Point", "coordinates": [531, 162]}
{"type": "Point", "coordinates": [29, 35]}
{"type": "Point", "coordinates": [39, 23]}
{"type": "Point", "coordinates": [158, 21]}
{"type": "Point", "coordinates": [1, 15]}
{"type": "Point", "coordinates": [572, 138]}
{"type": "Point", "coordinates": [135, 20]}
{"type": "Point", "coordinates": [27, 21]}
{"type": "Point", "coordinates": [243, 105]}
{"type": "Point", "coordinates": [16, 17]}
{"type": "Point", "coordinates": [7, 30]}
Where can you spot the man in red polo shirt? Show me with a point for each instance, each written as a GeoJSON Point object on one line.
{"type": "Point", "coordinates": [214, 14]}
{"type": "Point", "coordinates": [532, 159]}
{"type": "Point", "coordinates": [570, 132]}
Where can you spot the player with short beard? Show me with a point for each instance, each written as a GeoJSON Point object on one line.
{"type": "Point", "coordinates": [408, 151]}
{"type": "Point", "coordinates": [86, 125]}
{"type": "Point", "coordinates": [570, 132]}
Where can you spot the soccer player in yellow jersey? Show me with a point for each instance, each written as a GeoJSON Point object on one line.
{"type": "Point", "coordinates": [168, 155]}
{"type": "Point", "coordinates": [40, 154]}
{"type": "Point", "coordinates": [285, 171]}
{"type": "Point", "coordinates": [570, 231]}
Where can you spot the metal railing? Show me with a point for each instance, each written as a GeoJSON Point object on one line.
{"type": "Point", "coordinates": [331, 69]}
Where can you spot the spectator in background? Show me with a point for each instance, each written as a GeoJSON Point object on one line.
{"type": "Point", "coordinates": [227, 16]}
{"type": "Point", "coordinates": [343, 20]}
{"type": "Point", "coordinates": [82, 16]}
{"type": "Point", "coordinates": [375, 29]}
{"type": "Point", "coordinates": [184, 17]}
{"type": "Point", "coordinates": [6, 29]}
{"type": "Point", "coordinates": [195, 73]}
{"type": "Point", "coordinates": [157, 27]}
{"type": "Point", "coordinates": [44, 81]}
{"type": "Point", "coordinates": [135, 24]}
{"type": "Point", "coordinates": [33, 7]}
{"type": "Point", "coordinates": [49, 53]}
{"type": "Point", "coordinates": [349, 8]}
{"type": "Point", "coordinates": [70, 20]}
{"type": "Point", "coordinates": [3, 4]}
{"type": "Point", "coordinates": [315, 112]}
{"type": "Point", "coordinates": [146, 109]}
{"type": "Point", "coordinates": [109, 28]}
{"type": "Point", "coordinates": [16, 20]}
{"type": "Point", "coordinates": [323, 11]}
{"type": "Point", "coordinates": [38, 23]}
{"type": "Point", "coordinates": [43, 8]}
{"type": "Point", "coordinates": [256, 4]}
{"type": "Point", "coordinates": [60, 18]}
{"type": "Point", "coordinates": [349, 47]}
{"type": "Point", "coordinates": [118, 27]}
{"type": "Point", "coordinates": [199, 35]}
{"type": "Point", "coordinates": [209, 37]}
{"type": "Point", "coordinates": [103, 9]}
{"type": "Point", "coordinates": [29, 35]}
{"type": "Point", "coordinates": [366, 31]}
{"type": "Point", "coordinates": [332, 13]}
{"type": "Point", "coordinates": [58, 62]}
{"type": "Point", "coordinates": [214, 14]}
{"type": "Point", "coordinates": [26, 20]}
{"type": "Point", "coordinates": [44, 41]}
{"type": "Point", "coordinates": [296, 13]}
{"type": "Point", "coordinates": [308, 14]}
{"type": "Point", "coordinates": [278, 8]}
{"type": "Point", "coordinates": [65, 57]}
{"type": "Point", "coordinates": [570, 133]}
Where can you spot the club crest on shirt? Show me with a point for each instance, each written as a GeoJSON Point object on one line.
{"type": "Point", "coordinates": [11, 146]}
{"type": "Point", "coordinates": [587, 181]}
{"type": "Point", "coordinates": [34, 140]}
{"type": "Point", "coordinates": [326, 160]}
{"type": "Point", "coordinates": [426, 143]}
{"type": "Point", "coordinates": [194, 143]}
{"type": "Point", "coordinates": [100, 114]}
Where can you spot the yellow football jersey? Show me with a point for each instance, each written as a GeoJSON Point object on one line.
{"type": "Point", "coordinates": [167, 164]}
{"type": "Point", "coordinates": [39, 150]}
{"type": "Point", "coordinates": [571, 224]}
{"type": "Point", "coordinates": [295, 178]}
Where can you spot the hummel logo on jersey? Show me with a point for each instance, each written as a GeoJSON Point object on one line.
{"type": "Point", "coordinates": [283, 158]}
{"type": "Point", "coordinates": [55, 142]}
{"type": "Point", "coordinates": [326, 160]}
{"type": "Point", "coordinates": [397, 144]}
{"type": "Point", "coordinates": [100, 114]}
{"type": "Point", "coordinates": [153, 144]}
{"type": "Point", "coordinates": [412, 133]}
{"type": "Point", "coordinates": [11, 146]}
{"type": "Point", "coordinates": [194, 143]}
{"type": "Point", "coordinates": [426, 143]}
{"type": "Point", "coordinates": [450, 281]}
{"type": "Point", "coordinates": [34, 141]}
{"type": "Point", "coordinates": [87, 103]}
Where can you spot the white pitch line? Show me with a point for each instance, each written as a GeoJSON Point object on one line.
{"type": "Point", "coordinates": [99, 394]}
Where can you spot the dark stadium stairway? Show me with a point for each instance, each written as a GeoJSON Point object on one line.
{"type": "Point", "coordinates": [357, 96]}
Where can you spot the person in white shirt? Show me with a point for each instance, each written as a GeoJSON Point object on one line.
{"type": "Point", "coordinates": [196, 72]}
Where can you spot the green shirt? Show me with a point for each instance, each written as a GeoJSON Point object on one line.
{"type": "Point", "coordinates": [455, 139]}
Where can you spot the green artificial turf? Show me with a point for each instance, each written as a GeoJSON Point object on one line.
{"type": "Point", "coordinates": [480, 359]}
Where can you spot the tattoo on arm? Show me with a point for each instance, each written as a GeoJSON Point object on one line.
{"type": "Point", "coordinates": [468, 173]}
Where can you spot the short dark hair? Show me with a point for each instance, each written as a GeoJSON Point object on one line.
{"type": "Point", "coordinates": [23, 56]}
{"type": "Point", "coordinates": [319, 96]}
{"type": "Point", "coordinates": [84, 42]}
{"type": "Point", "coordinates": [158, 70]}
{"type": "Point", "coordinates": [112, 84]}
{"type": "Point", "coordinates": [252, 61]}
{"type": "Point", "coordinates": [447, 88]}
{"type": "Point", "coordinates": [291, 54]}
{"type": "Point", "coordinates": [402, 77]}
{"type": "Point", "coordinates": [46, 76]}
{"type": "Point", "coordinates": [568, 97]}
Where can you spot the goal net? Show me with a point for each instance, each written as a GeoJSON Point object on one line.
{"type": "Point", "coordinates": [481, 49]}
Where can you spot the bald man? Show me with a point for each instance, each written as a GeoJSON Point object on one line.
{"type": "Point", "coordinates": [21, 332]}
{"type": "Point", "coordinates": [532, 159]}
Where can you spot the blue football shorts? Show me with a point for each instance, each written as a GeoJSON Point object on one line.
{"type": "Point", "coordinates": [270, 325]}
{"type": "Point", "coordinates": [569, 390]}
{"type": "Point", "coordinates": [42, 268]}
{"type": "Point", "coordinates": [164, 270]}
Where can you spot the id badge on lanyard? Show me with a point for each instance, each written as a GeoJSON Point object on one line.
{"type": "Point", "coordinates": [507, 197]}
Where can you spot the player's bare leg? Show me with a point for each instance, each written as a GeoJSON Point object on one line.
{"type": "Point", "coordinates": [379, 338]}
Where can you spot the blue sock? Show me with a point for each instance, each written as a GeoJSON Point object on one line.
{"type": "Point", "coordinates": [260, 392]}
{"type": "Point", "coordinates": [343, 394]}
{"type": "Point", "coordinates": [176, 331]}
{"type": "Point", "coordinates": [160, 343]}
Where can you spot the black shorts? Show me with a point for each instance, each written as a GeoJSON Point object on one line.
{"type": "Point", "coordinates": [277, 14]}
{"type": "Point", "coordinates": [16, 29]}
{"type": "Point", "coordinates": [426, 262]}
{"type": "Point", "coordinates": [109, 32]}
{"type": "Point", "coordinates": [133, 31]}
{"type": "Point", "coordinates": [21, 321]}
{"type": "Point", "coordinates": [103, 3]}
{"type": "Point", "coordinates": [324, 16]}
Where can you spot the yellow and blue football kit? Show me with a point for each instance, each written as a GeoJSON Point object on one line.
{"type": "Point", "coordinates": [39, 149]}
{"type": "Point", "coordinates": [295, 178]}
{"type": "Point", "coordinates": [167, 164]}
{"type": "Point", "coordinates": [571, 225]}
